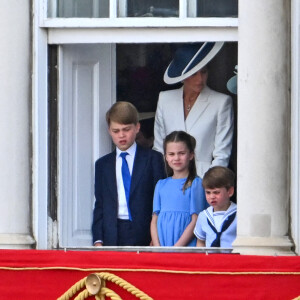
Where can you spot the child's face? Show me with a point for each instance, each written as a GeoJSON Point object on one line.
{"type": "Point", "coordinates": [178, 158]}
{"type": "Point", "coordinates": [219, 198]}
{"type": "Point", "coordinates": [123, 135]}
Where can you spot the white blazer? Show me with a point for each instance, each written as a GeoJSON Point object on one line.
{"type": "Point", "coordinates": [210, 122]}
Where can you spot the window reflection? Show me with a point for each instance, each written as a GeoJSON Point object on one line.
{"type": "Point", "coordinates": [217, 8]}
{"type": "Point", "coordinates": [78, 8]}
{"type": "Point", "coordinates": [152, 8]}
{"type": "Point", "coordinates": [141, 8]}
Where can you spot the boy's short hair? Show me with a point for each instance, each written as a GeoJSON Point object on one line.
{"type": "Point", "coordinates": [218, 177]}
{"type": "Point", "coordinates": [122, 112]}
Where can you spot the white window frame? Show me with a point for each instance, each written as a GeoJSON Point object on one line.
{"type": "Point", "coordinates": [108, 30]}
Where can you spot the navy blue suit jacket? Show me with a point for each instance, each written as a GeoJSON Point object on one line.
{"type": "Point", "coordinates": [148, 168]}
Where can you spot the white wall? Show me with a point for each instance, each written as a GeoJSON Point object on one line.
{"type": "Point", "coordinates": [15, 137]}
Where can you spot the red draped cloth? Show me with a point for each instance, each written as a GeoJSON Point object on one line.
{"type": "Point", "coordinates": [48, 274]}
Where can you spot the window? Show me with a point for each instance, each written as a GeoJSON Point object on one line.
{"type": "Point", "coordinates": [79, 9]}
{"type": "Point", "coordinates": [108, 51]}
{"type": "Point", "coordinates": [141, 8]}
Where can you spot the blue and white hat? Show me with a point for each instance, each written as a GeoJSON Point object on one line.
{"type": "Point", "coordinates": [189, 59]}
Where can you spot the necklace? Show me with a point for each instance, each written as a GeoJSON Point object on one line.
{"type": "Point", "coordinates": [190, 104]}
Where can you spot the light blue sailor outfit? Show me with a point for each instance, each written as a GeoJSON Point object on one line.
{"type": "Point", "coordinates": [218, 229]}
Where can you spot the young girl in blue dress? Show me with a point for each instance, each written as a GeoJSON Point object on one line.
{"type": "Point", "coordinates": [179, 198]}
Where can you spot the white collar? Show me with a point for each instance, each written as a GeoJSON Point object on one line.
{"type": "Point", "coordinates": [230, 210]}
{"type": "Point", "coordinates": [131, 150]}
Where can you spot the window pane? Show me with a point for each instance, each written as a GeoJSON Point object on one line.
{"type": "Point", "coordinates": [149, 8]}
{"type": "Point", "coordinates": [141, 8]}
{"type": "Point", "coordinates": [78, 8]}
{"type": "Point", "coordinates": [217, 8]}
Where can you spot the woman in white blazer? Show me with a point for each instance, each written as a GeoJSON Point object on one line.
{"type": "Point", "coordinates": [195, 108]}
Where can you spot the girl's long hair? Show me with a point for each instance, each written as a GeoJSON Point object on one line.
{"type": "Point", "coordinates": [190, 142]}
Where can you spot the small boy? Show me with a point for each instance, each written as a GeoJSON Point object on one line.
{"type": "Point", "coordinates": [124, 183]}
{"type": "Point", "coordinates": [216, 226]}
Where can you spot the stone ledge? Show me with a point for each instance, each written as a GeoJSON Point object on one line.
{"type": "Point", "coordinates": [16, 241]}
{"type": "Point", "coordinates": [263, 246]}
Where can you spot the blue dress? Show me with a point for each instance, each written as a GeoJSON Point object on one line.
{"type": "Point", "coordinates": [175, 208]}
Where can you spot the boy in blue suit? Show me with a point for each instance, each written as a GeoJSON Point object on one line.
{"type": "Point", "coordinates": [124, 183]}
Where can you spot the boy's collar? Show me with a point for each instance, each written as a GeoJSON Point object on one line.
{"type": "Point", "coordinates": [131, 150]}
{"type": "Point", "coordinates": [232, 207]}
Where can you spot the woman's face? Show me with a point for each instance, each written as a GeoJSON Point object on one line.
{"type": "Point", "coordinates": [197, 81]}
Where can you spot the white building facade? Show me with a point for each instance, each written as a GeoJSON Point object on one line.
{"type": "Point", "coordinates": [63, 65]}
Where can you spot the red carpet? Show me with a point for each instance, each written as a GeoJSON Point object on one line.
{"type": "Point", "coordinates": [37, 274]}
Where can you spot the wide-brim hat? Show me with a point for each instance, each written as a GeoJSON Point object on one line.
{"type": "Point", "coordinates": [189, 59]}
